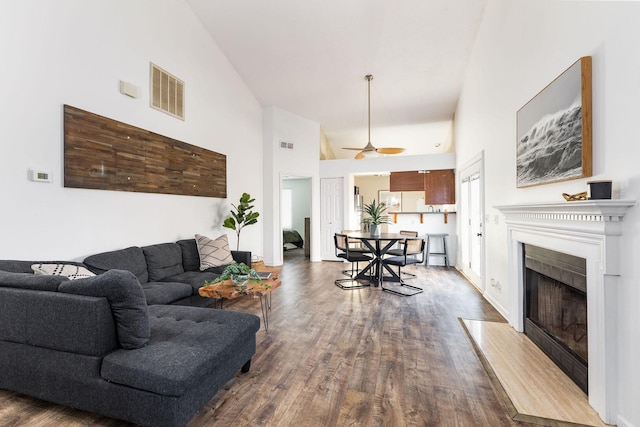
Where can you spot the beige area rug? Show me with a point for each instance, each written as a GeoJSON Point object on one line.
{"type": "Point", "coordinates": [532, 387]}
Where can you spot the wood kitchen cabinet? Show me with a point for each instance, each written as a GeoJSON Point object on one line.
{"type": "Point", "coordinates": [439, 187]}
{"type": "Point", "coordinates": [406, 181]}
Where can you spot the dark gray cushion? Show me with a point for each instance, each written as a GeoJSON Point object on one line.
{"type": "Point", "coordinates": [165, 292]}
{"type": "Point", "coordinates": [127, 300]}
{"type": "Point", "coordinates": [187, 344]}
{"type": "Point", "coordinates": [195, 279]}
{"type": "Point", "coordinates": [31, 281]}
{"type": "Point", "coordinates": [130, 259]}
{"type": "Point", "coordinates": [163, 260]}
{"type": "Point", "coordinates": [190, 255]}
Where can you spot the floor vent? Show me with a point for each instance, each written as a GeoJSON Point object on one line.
{"type": "Point", "coordinates": [167, 92]}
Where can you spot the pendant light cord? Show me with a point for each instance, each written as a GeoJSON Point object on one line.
{"type": "Point", "coordinates": [369, 77]}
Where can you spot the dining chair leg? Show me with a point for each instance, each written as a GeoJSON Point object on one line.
{"type": "Point", "coordinates": [416, 290]}
{"type": "Point", "coordinates": [353, 284]}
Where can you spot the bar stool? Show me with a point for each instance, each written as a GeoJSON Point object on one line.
{"type": "Point", "coordinates": [444, 252]}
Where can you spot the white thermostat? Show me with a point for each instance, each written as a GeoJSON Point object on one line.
{"type": "Point", "coordinates": [40, 176]}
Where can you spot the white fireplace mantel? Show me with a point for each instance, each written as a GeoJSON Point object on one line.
{"type": "Point", "coordinates": [588, 229]}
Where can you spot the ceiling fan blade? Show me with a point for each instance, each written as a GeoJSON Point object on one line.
{"type": "Point", "coordinates": [390, 150]}
{"type": "Point", "coordinates": [349, 148]}
{"type": "Point", "coordinates": [359, 156]}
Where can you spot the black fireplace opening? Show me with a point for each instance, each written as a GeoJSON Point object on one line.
{"type": "Point", "coordinates": [555, 311]}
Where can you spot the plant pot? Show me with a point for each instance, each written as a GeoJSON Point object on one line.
{"type": "Point", "coordinates": [374, 230]}
{"type": "Point", "coordinates": [239, 279]}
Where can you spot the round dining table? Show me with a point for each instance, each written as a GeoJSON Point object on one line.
{"type": "Point", "coordinates": [378, 245]}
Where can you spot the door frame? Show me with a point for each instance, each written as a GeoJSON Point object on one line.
{"type": "Point", "coordinates": [327, 230]}
{"type": "Point", "coordinates": [475, 164]}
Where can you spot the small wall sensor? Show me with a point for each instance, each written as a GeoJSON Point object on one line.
{"type": "Point", "coordinates": [40, 176]}
{"type": "Point", "coordinates": [128, 89]}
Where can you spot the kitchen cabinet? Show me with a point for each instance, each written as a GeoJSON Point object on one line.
{"type": "Point", "coordinates": [406, 181]}
{"type": "Point", "coordinates": [439, 187]}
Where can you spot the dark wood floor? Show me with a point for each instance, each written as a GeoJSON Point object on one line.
{"type": "Point", "coordinates": [337, 357]}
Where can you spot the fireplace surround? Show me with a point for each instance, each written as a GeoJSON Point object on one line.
{"type": "Point", "coordinates": [586, 229]}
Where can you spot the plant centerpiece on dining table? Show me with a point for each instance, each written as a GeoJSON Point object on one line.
{"type": "Point", "coordinates": [239, 273]}
{"type": "Point", "coordinates": [376, 217]}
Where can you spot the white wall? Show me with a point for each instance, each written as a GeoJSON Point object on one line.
{"type": "Point", "coordinates": [301, 161]}
{"type": "Point", "coordinates": [522, 46]}
{"type": "Point", "coordinates": [75, 52]}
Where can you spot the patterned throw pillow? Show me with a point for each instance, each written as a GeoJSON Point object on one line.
{"type": "Point", "coordinates": [71, 271]}
{"type": "Point", "coordinates": [213, 253]}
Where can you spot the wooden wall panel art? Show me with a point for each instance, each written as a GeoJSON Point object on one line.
{"type": "Point", "coordinates": [104, 154]}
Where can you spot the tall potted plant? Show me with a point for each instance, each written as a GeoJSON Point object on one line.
{"type": "Point", "coordinates": [241, 216]}
{"type": "Point", "coordinates": [376, 216]}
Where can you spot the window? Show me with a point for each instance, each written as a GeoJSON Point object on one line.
{"type": "Point", "coordinates": [287, 208]}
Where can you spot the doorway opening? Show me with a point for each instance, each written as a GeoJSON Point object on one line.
{"type": "Point", "coordinates": [295, 217]}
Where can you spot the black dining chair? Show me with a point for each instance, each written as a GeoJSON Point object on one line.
{"type": "Point", "coordinates": [355, 245]}
{"type": "Point", "coordinates": [411, 246]}
{"type": "Point", "coordinates": [344, 251]}
{"type": "Point", "coordinates": [399, 251]}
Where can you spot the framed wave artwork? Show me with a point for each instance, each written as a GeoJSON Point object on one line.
{"type": "Point", "coordinates": [554, 130]}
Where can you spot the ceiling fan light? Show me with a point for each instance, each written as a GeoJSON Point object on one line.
{"type": "Point", "coordinates": [390, 150]}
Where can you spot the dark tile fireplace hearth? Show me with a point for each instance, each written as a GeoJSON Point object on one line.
{"type": "Point", "coordinates": [555, 311]}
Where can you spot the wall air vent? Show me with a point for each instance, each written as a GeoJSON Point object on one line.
{"type": "Point", "coordinates": [287, 145]}
{"type": "Point", "coordinates": [167, 92]}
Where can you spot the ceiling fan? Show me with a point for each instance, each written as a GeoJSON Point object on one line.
{"type": "Point", "coordinates": [369, 148]}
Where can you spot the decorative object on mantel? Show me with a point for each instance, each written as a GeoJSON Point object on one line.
{"type": "Point", "coordinates": [599, 190]}
{"type": "Point", "coordinates": [554, 130]}
{"type": "Point", "coordinates": [575, 197]}
{"type": "Point", "coordinates": [242, 216]}
{"type": "Point", "coordinates": [376, 216]}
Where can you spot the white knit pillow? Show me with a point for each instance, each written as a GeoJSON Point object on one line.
{"type": "Point", "coordinates": [73, 272]}
{"type": "Point", "coordinates": [213, 253]}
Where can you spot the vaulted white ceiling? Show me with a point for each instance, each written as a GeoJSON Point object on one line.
{"type": "Point", "coordinates": [310, 58]}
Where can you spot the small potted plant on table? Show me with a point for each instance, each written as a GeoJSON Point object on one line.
{"type": "Point", "coordinates": [239, 273]}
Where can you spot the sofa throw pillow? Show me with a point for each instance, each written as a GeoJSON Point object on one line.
{"type": "Point", "coordinates": [213, 253]}
{"type": "Point", "coordinates": [127, 300]}
{"type": "Point", "coordinates": [73, 272]}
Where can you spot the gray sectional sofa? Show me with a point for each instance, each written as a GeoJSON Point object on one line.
{"type": "Point", "coordinates": [134, 342]}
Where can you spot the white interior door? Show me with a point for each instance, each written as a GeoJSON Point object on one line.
{"type": "Point", "coordinates": [332, 214]}
{"type": "Point", "coordinates": [471, 223]}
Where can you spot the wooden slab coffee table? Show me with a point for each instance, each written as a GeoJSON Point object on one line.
{"type": "Point", "coordinates": [228, 290]}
